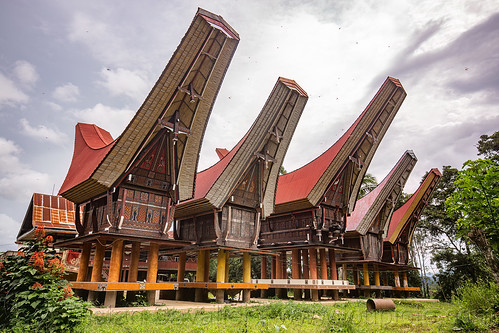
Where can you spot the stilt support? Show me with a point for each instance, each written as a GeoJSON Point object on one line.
{"type": "Point", "coordinates": [246, 275]}
{"type": "Point", "coordinates": [313, 272]}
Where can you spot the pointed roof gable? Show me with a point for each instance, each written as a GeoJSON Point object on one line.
{"type": "Point", "coordinates": [305, 187]}
{"type": "Point", "coordinates": [221, 152]}
{"type": "Point", "coordinates": [387, 192]}
{"type": "Point", "coordinates": [55, 214]}
{"type": "Point", "coordinates": [413, 207]}
{"type": "Point", "coordinates": [92, 143]}
{"type": "Point", "coordinates": [189, 84]}
{"type": "Point", "coordinates": [272, 132]}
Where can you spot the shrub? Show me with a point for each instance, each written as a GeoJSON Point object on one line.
{"type": "Point", "coordinates": [478, 306]}
{"type": "Point", "coordinates": [33, 294]}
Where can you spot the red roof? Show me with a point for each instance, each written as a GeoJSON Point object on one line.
{"type": "Point", "coordinates": [364, 203]}
{"type": "Point", "coordinates": [297, 185]}
{"type": "Point", "coordinates": [401, 215]}
{"type": "Point", "coordinates": [221, 152]}
{"type": "Point", "coordinates": [206, 178]}
{"type": "Point", "coordinates": [92, 143]}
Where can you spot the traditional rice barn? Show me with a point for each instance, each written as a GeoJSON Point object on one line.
{"type": "Point", "coordinates": [234, 195]}
{"type": "Point", "coordinates": [368, 224]}
{"type": "Point", "coordinates": [129, 187]}
{"type": "Point", "coordinates": [313, 202]}
{"type": "Point", "coordinates": [396, 245]}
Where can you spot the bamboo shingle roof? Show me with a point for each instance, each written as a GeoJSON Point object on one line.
{"type": "Point", "coordinates": [189, 84]}
{"type": "Point", "coordinates": [306, 187]}
{"type": "Point", "coordinates": [382, 199]}
{"type": "Point", "coordinates": [268, 138]}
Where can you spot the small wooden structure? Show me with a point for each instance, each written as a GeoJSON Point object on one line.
{"type": "Point", "coordinates": [129, 188]}
{"type": "Point", "coordinates": [403, 222]}
{"type": "Point", "coordinates": [313, 202]}
{"type": "Point", "coordinates": [234, 195]}
{"type": "Point", "coordinates": [369, 222]}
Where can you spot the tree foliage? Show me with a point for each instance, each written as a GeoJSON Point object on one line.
{"type": "Point", "coordinates": [33, 294]}
{"type": "Point", "coordinates": [475, 205]}
{"type": "Point", "coordinates": [369, 183]}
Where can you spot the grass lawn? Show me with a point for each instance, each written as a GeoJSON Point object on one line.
{"type": "Point", "coordinates": [285, 316]}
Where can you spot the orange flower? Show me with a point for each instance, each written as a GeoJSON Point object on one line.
{"type": "Point", "coordinates": [36, 286]}
{"type": "Point", "coordinates": [67, 292]}
{"type": "Point", "coordinates": [36, 260]}
{"type": "Point", "coordinates": [20, 253]}
{"type": "Point", "coordinates": [40, 233]}
{"type": "Point", "coordinates": [2, 267]}
{"type": "Point", "coordinates": [48, 240]}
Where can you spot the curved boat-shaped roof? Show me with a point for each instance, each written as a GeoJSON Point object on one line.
{"type": "Point", "coordinates": [182, 97]}
{"type": "Point", "coordinates": [271, 131]}
{"type": "Point", "coordinates": [306, 186]}
{"type": "Point", "coordinates": [411, 210]}
{"type": "Point", "coordinates": [369, 206]}
{"type": "Point", "coordinates": [92, 144]}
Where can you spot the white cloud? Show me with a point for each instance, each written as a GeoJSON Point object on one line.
{"type": "Point", "coordinates": [43, 133]}
{"type": "Point", "coordinates": [17, 180]}
{"type": "Point", "coordinates": [54, 106]}
{"type": "Point", "coordinates": [25, 72]}
{"type": "Point", "coordinates": [10, 94]}
{"type": "Point", "coordinates": [66, 93]}
{"type": "Point", "coordinates": [125, 82]}
{"type": "Point", "coordinates": [10, 229]}
{"type": "Point", "coordinates": [111, 119]}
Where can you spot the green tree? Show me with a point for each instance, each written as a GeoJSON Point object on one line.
{"type": "Point", "coordinates": [369, 183]}
{"type": "Point", "coordinates": [475, 204]}
{"type": "Point", "coordinates": [437, 234]}
{"type": "Point", "coordinates": [488, 146]}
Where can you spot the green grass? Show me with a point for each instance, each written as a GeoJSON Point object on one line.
{"type": "Point", "coordinates": [284, 317]}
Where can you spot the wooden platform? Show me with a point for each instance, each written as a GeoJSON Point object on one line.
{"type": "Point", "coordinates": [122, 286]}
{"type": "Point", "coordinates": [305, 283]}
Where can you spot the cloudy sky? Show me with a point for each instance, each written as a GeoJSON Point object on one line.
{"type": "Point", "coordinates": [63, 62]}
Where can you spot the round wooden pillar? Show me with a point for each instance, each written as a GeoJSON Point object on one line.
{"type": "Point", "coordinates": [334, 271]}
{"type": "Point", "coordinates": [133, 274]}
{"type": "Point", "coordinates": [84, 260]}
{"type": "Point", "coordinates": [182, 258]}
{"type": "Point", "coordinates": [295, 271]}
{"type": "Point", "coordinates": [313, 272]}
{"type": "Point", "coordinates": [152, 270]}
{"type": "Point", "coordinates": [246, 276]}
{"type": "Point", "coordinates": [305, 271]}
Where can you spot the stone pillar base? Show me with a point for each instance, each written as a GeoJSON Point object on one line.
{"type": "Point", "coordinates": [220, 295]}
{"type": "Point", "coordinates": [110, 301]}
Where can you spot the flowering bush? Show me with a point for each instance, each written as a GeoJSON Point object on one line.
{"type": "Point", "coordinates": [33, 294]}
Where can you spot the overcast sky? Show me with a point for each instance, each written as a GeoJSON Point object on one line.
{"type": "Point", "coordinates": [63, 62]}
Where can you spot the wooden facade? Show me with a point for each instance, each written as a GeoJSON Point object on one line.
{"type": "Point", "coordinates": [234, 195]}
{"type": "Point", "coordinates": [403, 222]}
{"type": "Point", "coordinates": [368, 223]}
{"type": "Point", "coordinates": [128, 188]}
{"type": "Point", "coordinates": [312, 203]}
